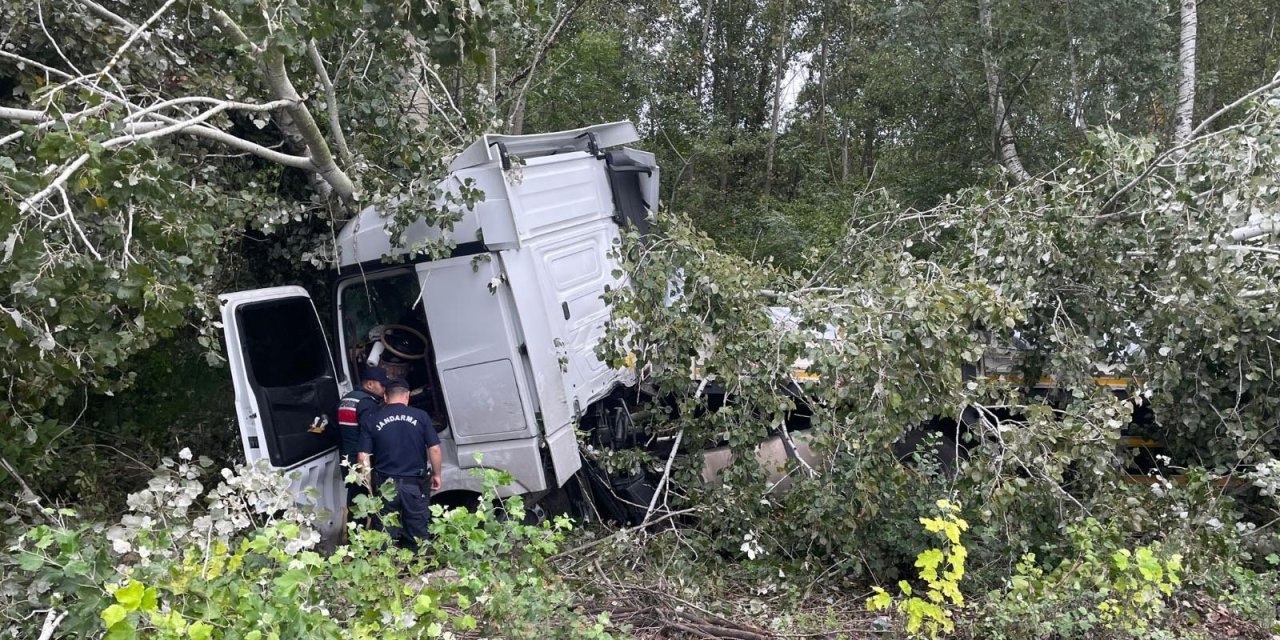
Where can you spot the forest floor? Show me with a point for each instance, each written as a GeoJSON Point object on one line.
{"type": "Point", "coordinates": [657, 611]}
{"type": "Point", "coordinates": [658, 586]}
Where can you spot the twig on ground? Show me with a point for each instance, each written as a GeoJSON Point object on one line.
{"type": "Point", "coordinates": [51, 622]}
{"type": "Point", "coordinates": [662, 483]}
{"type": "Point", "coordinates": [621, 532]}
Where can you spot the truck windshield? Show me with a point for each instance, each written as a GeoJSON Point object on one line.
{"type": "Point", "coordinates": [377, 301]}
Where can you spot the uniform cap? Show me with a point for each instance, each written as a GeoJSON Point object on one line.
{"type": "Point", "coordinates": [374, 373]}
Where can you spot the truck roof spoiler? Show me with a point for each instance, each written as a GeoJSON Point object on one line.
{"type": "Point", "coordinates": [494, 147]}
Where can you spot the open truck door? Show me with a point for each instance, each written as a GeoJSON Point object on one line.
{"type": "Point", "coordinates": [478, 356]}
{"type": "Point", "coordinates": [286, 392]}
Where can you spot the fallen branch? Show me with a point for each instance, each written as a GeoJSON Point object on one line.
{"type": "Point", "coordinates": [278, 82]}
{"type": "Point", "coordinates": [51, 623]}
{"type": "Point", "coordinates": [1252, 231]}
{"type": "Point", "coordinates": [104, 13]}
{"type": "Point", "coordinates": [621, 532]}
{"type": "Point", "coordinates": [1193, 138]}
{"type": "Point", "coordinates": [217, 135]}
{"type": "Point", "coordinates": [666, 474]}
{"type": "Point", "coordinates": [23, 115]}
{"type": "Point", "coordinates": [138, 133]}
{"type": "Point", "coordinates": [331, 105]}
{"type": "Point", "coordinates": [27, 494]}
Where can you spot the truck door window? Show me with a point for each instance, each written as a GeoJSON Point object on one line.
{"type": "Point", "coordinates": [284, 345]}
{"type": "Point", "coordinates": [291, 376]}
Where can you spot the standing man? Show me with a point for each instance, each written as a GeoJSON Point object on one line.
{"type": "Point", "coordinates": [354, 411]}
{"type": "Point", "coordinates": [401, 440]}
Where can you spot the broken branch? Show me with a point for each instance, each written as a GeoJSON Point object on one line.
{"type": "Point", "coordinates": [331, 104]}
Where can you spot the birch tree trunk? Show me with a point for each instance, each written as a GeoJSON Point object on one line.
{"type": "Point", "coordinates": [822, 85]}
{"type": "Point", "coordinates": [778, 71]}
{"type": "Point", "coordinates": [1077, 80]}
{"type": "Point", "coordinates": [702, 53]}
{"type": "Point", "coordinates": [1002, 131]}
{"type": "Point", "coordinates": [1184, 114]}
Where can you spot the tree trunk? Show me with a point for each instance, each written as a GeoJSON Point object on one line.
{"type": "Point", "coordinates": [493, 78]}
{"type": "Point", "coordinates": [868, 150]}
{"type": "Point", "coordinates": [517, 116]}
{"type": "Point", "coordinates": [844, 155]}
{"type": "Point", "coordinates": [1005, 142]}
{"type": "Point", "coordinates": [1185, 112]}
{"type": "Point", "coordinates": [1078, 121]}
{"type": "Point", "coordinates": [1265, 49]}
{"type": "Point", "coordinates": [527, 75]}
{"type": "Point", "coordinates": [822, 86]}
{"type": "Point", "coordinates": [459, 90]}
{"type": "Point", "coordinates": [702, 52]}
{"type": "Point", "coordinates": [779, 69]}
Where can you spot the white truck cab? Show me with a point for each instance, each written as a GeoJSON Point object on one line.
{"type": "Point", "coordinates": [497, 340]}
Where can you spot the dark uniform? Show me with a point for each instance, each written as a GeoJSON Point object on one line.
{"type": "Point", "coordinates": [398, 437]}
{"type": "Point", "coordinates": [354, 411]}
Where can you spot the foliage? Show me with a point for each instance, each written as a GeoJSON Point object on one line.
{"type": "Point", "coordinates": [240, 560]}
{"type": "Point", "coordinates": [1101, 584]}
{"type": "Point", "coordinates": [1122, 266]}
{"type": "Point", "coordinates": [930, 615]}
{"type": "Point", "coordinates": [867, 253]}
{"type": "Point", "coordinates": [149, 157]}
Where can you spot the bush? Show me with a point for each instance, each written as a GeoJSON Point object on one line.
{"type": "Point", "coordinates": [242, 560]}
{"type": "Point", "coordinates": [1103, 584]}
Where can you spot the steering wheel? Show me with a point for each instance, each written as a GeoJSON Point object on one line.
{"type": "Point", "coordinates": [402, 349]}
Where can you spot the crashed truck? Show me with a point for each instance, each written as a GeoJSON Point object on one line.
{"type": "Point", "coordinates": [498, 340]}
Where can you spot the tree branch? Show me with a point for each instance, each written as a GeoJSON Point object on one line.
{"type": "Point", "coordinates": [1252, 231]}
{"type": "Point", "coordinates": [1005, 143]}
{"type": "Point", "coordinates": [516, 119]}
{"type": "Point", "coordinates": [331, 102]}
{"type": "Point", "coordinates": [666, 473]}
{"type": "Point", "coordinates": [622, 532]}
{"type": "Point", "coordinates": [229, 105]}
{"type": "Point", "coordinates": [71, 168]}
{"type": "Point", "coordinates": [1185, 107]}
{"type": "Point", "coordinates": [102, 12]}
{"type": "Point", "coordinates": [277, 80]}
{"type": "Point", "coordinates": [1243, 247]}
{"type": "Point", "coordinates": [51, 622]}
{"type": "Point", "coordinates": [23, 115]}
{"type": "Point", "coordinates": [1193, 138]}
{"type": "Point", "coordinates": [137, 132]}
{"type": "Point", "coordinates": [71, 220]}
{"type": "Point", "coordinates": [547, 44]}
{"type": "Point", "coordinates": [133, 37]}
{"type": "Point", "coordinates": [209, 133]}
{"type": "Point", "coordinates": [57, 183]}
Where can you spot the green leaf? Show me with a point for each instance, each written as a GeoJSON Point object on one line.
{"type": "Point", "coordinates": [149, 600]}
{"type": "Point", "coordinates": [113, 614]}
{"type": "Point", "coordinates": [130, 595]}
{"type": "Point", "coordinates": [199, 630]}
{"type": "Point", "coordinates": [28, 561]}
{"type": "Point", "coordinates": [880, 601]}
{"type": "Point", "coordinates": [122, 631]}
{"type": "Point", "coordinates": [289, 581]}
